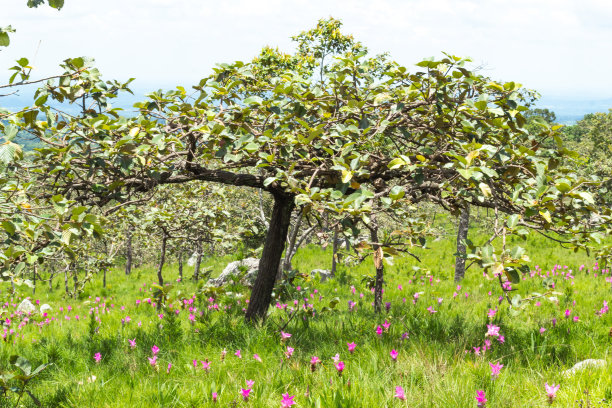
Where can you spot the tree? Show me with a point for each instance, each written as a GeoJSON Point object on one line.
{"type": "Point", "coordinates": [370, 133]}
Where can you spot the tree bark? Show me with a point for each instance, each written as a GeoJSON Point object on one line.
{"type": "Point", "coordinates": [286, 264]}
{"type": "Point", "coordinates": [261, 295]}
{"type": "Point", "coordinates": [104, 278]}
{"type": "Point", "coordinates": [378, 264]}
{"type": "Point", "coordinates": [462, 233]}
{"type": "Point", "coordinates": [128, 253]}
{"type": "Point", "coordinates": [34, 273]}
{"type": "Point", "coordinates": [66, 281]}
{"type": "Point", "coordinates": [334, 252]}
{"type": "Point", "coordinates": [196, 271]}
{"type": "Point", "coordinates": [162, 259]}
{"type": "Point", "coordinates": [180, 265]}
{"type": "Point", "coordinates": [75, 280]}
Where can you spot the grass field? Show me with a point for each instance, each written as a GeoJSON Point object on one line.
{"type": "Point", "coordinates": [437, 329]}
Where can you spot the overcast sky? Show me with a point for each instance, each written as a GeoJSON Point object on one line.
{"type": "Point", "coordinates": [562, 48]}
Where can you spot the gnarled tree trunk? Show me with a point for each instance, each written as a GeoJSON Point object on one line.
{"type": "Point", "coordinates": [462, 232]}
{"type": "Point", "coordinates": [261, 295]}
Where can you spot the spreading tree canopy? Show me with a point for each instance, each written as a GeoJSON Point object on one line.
{"type": "Point", "coordinates": [358, 133]}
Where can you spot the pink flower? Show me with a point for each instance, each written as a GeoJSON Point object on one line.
{"type": "Point", "coordinates": [195, 363]}
{"type": "Point", "coordinates": [169, 367]}
{"type": "Point", "coordinates": [576, 318]}
{"type": "Point", "coordinates": [287, 401]}
{"type": "Point", "coordinates": [285, 336]}
{"type": "Point", "coordinates": [223, 353]}
{"type": "Point", "coordinates": [567, 313]}
{"type": "Point", "coordinates": [289, 352]}
{"type": "Point", "coordinates": [386, 325]}
{"type": "Point", "coordinates": [336, 358]}
{"type": "Point", "coordinates": [313, 363]}
{"type": "Point", "coordinates": [250, 383]}
{"type": "Point", "coordinates": [501, 339]}
{"type": "Point", "coordinates": [97, 357]}
{"type": "Point", "coordinates": [394, 354]}
{"type": "Point", "coordinates": [351, 347]}
{"type": "Point", "coordinates": [492, 313]}
{"type": "Point", "coordinates": [132, 343]}
{"type": "Point", "coordinates": [542, 330]}
{"type": "Point", "coordinates": [245, 393]}
{"type": "Point", "coordinates": [399, 393]}
{"type": "Point", "coordinates": [205, 365]}
{"type": "Point", "coordinates": [492, 330]}
{"type": "Point", "coordinates": [495, 369]}
{"type": "Point", "coordinates": [480, 398]}
{"type": "Point", "coordinates": [153, 360]}
{"type": "Point", "coordinates": [551, 391]}
{"type": "Point", "coordinates": [379, 331]}
{"type": "Point", "coordinates": [237, 354]}
{"type": "Point", "coordinates": [340, 367]}
{"type": "Point", "coordinates": [214, 396]}
{"type": "Point", "coordinates": [155, 349]}
{"type": "Point", "coordinates": [431, 310]}
{"type": "Point", "coordinates": [257, 358]}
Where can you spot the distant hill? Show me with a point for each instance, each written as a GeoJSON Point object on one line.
{"type": "Point", "coordinates": [569, 111]}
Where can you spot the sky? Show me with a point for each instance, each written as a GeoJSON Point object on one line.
{"type": "Point", "coordinates": [561, 48]}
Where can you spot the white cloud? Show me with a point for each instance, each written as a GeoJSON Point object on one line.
{"type": "Point", "coordinates": [556, 46]}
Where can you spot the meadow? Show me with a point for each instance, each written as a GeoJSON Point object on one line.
{"type": "Point", "coordinates": [443, 344]}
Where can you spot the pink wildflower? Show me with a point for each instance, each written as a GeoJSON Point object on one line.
{"type": "Point", "coordinates": [289, 352]}
{"type": "Point", "coordinates": [551, 391]}
{"type": "Point", "coordinates": [351, 347]}
{"type": "Point", "coordinates": [492, 330]}
{"type": "Point", "coordinates": [155, 349]}
{"type": "Point", "coordinates": [399, 393]}
{"type": "Point", "coordinates": [394, 354]}
{"type": "Point", "coordinates": [132, 343]}
{"type": "Point", "coordinates": [238, 354]}
{"type": "Point", "coordinates": [495, 369]}
{"type": "Point", "coordinates": [97, 357]}
{"type": "Point", "coordinates": [313, 363]}
{"type": "Point", "coordinates": [379, 331]}
{"type": "Point", "coordinates": [481, 398]}
{"type": "Point", "coordinates": [287, 401]}
{"type": "Point", "coordinates": [257, 358]}
{"type": "Point", "coordinates": [245, 393]}
{"type": "Point", "coordinates": [340, 367]}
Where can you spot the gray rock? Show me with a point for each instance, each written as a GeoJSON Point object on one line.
{"type": "Point", "coordinates": [323, 273]}
{"type": "Point", "coordinates": [26, 307]}
{"type": "Point", "coordinates": [235, 268]}
{"type": "Point", "coordinates": [592, 363]}
{"type": "Point", "coordinates": [45, 308]}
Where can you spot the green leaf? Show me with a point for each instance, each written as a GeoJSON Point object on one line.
{"type": "Point", "coordinates": [22, 363]}
{"type": "Point", "coordinates": [5, 41]}
{"type": "Point", "coordinates": [512, 220]}
{"type": "Point", "coordinates": [397, 192]}
{"type": "Point", "coordinates": [253, 100]}
{"type": "Point", "coordinates": [395, 163]}
{"type": "Point", "coordinates": [9, 227]}
{"type": "Point", "coordinates": [512, 275]}
{"type": "Point", "coordinates": [56, 4]}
